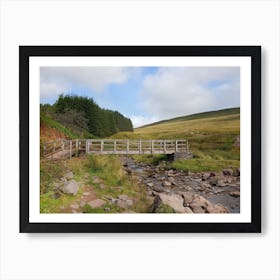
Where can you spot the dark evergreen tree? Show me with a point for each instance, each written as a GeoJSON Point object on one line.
{"type": "Point", "coordinates": [85, 112]}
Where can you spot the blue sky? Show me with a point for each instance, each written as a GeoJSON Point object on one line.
{"type": "Point", "coordinates": [146, 94]}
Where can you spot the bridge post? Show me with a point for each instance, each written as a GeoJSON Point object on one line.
{"type": "Point", "coordinates": [70, 149]}
{"type": "Point", "coordinates": [127, 146]}
{"type": "Point", "coordinates": [188, 148]}
{"type": "Point", "coordinates": [140, 146]}
{"type": "Point", "coordinates": [87, 147]}
{"type": "Point", "coordinates": [76, 147]}
{"type": "Point", "coordinates": [102, 146]}
{"type": "Point", "coordinates": [115, 146]}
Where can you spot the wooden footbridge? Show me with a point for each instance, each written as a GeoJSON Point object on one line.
{"type": "Point", "coordinates": [67, 148]}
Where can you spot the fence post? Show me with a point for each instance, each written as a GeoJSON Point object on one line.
{"type": "Point", "coordinates": [164, 146]}
{"type": "Point", "coordinates": [152, 146]}
{"type": "Point", "coordinates": [176, 145]}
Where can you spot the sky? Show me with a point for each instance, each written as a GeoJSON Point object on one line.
{"type": "Point", "coordinates": [146, 94]}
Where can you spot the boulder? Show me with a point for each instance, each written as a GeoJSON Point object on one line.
{"type": "Point", "coordinates": [172, 200]}
{"type": "Point", "coordinates": [188, 210]}
{"type": "Point", "coordinates": [150, 184]}
{"type": "Point", "coordinates": [201, 201]}
{"type": "Point", "coordinates": [236, 172]}
{"type": "Point", "coordinates": [216, 209]}
{"type": "Point", "coordinates": [197, 209]}
{"type": "Point", "coordinates": [205, 176]}
{"type": "Point", "coordinates": [188, 198]}
{"type": "Point", "coordinates": [216, 181]}
{"type": "Point", "coordinates": [70, 187]}
{"type": "Point", "coordinates": [124, 203]}
{"type": "Point", "coordinates": [96, 203]}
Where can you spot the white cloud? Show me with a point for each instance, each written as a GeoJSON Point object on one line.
{"type": "Point", "coordinates": [138, 120]}
{"type": "Point", "coordinates": [175, 91]}
{"type": "Point", "coordinates": [56, 80]}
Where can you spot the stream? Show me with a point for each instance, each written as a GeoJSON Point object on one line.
{"type": "Point", "coordinates": [217, 187]}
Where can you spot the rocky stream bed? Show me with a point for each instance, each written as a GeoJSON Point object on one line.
{"type": "Point", "coordinates": [186, 192]}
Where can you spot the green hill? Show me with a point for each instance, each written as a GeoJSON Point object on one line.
{"type": "Point", "coordinates": [211, 114]}
{"type": "Point", "coordinates": [211, 135]}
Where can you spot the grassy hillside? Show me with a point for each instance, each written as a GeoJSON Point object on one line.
{"type": "Point", "coordinates": [53, 130]}
{"type": "Point", "coordinates": [211, 135]}
{"type": "Point", "coordinates": [211, 114]}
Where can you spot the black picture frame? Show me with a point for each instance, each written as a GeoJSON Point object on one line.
{"type": "Point", "coordinates": [254, 52]}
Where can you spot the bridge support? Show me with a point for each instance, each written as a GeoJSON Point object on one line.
{"type": "Point", "coordinates": [179, 155]}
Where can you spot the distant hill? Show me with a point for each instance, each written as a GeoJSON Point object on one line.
{"type": "Point", "coordinates": [210, 114]}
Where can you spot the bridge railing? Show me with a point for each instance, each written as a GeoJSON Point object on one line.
{"type": "Point", "coordinates": [114, 146]}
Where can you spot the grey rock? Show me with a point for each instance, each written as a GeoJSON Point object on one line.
{"type": "Point", "coordinates": [82, 204]}
{"type": "Point", "coordinates": [125, 203]}
{"type": "Point", "coordinates": [123, 197]}
{"type": "Point", "coordinates": [227, 172]}
{"type": "Point", "coordinates": [166, 184]}
{"type": "Point", "coordinates": [150, 184]}
{"type": "Point", "coordinates": [70, 187]}
{"type": "Point", "coordinates": [96, 203]}
{"type": "Point", "coordinates": [69, 175]}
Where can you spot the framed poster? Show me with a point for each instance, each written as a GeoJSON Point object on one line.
{"type": "Point", "coordinates": [140, 138]}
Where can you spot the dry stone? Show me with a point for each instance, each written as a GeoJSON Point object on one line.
{"type": "Point", "coordinates": [70, 187]}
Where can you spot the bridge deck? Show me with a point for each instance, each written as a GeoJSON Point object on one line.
{"type": "Point", "coordinates": [68, 148]}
